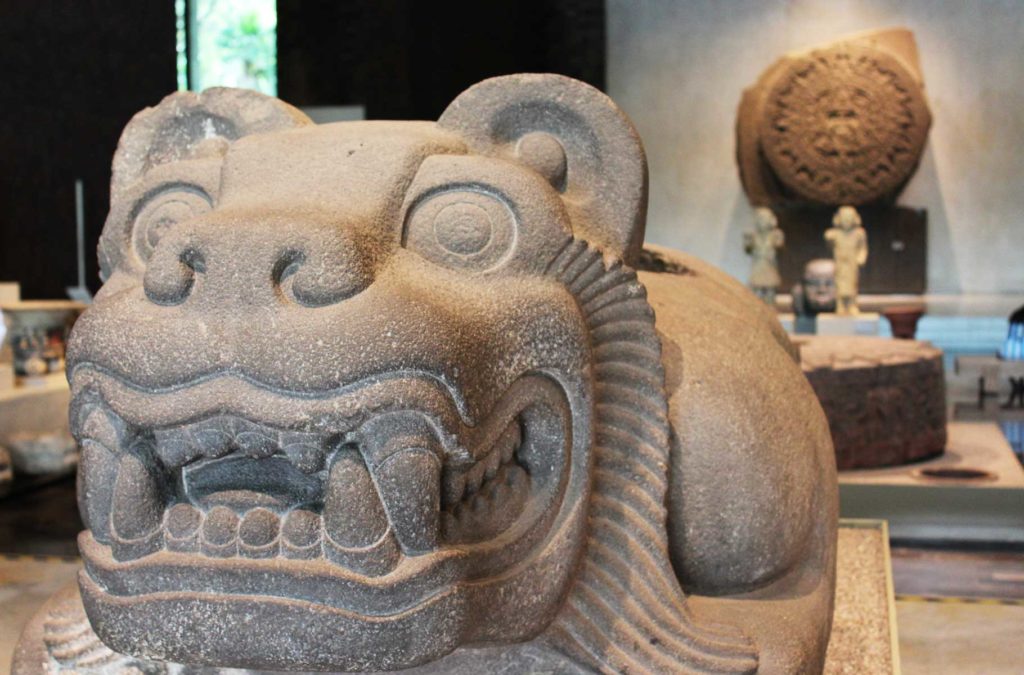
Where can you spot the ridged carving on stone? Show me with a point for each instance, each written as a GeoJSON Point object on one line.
{"type": "Point", "coordinates": [626, 611]}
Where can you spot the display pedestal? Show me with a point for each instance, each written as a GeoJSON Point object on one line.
{"type": "Point", "coordinates": [864, 637]}
{"type": "Point", "coordinates": [835, 324]}
{"type": "Point", "coordinates": [974, 492]}
{"type": "Point", "coordinates": [866, 323]}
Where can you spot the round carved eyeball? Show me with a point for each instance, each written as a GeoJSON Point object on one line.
{"type": "Point", "coordinates": [464, 229]}
{"type": "Point", "coordinates": [161, 212]}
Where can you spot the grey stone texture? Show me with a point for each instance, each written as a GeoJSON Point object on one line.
{"type": "Point", "coordinates": [843, 123]}
{"type": "Point", "coordinates": [383, 395]}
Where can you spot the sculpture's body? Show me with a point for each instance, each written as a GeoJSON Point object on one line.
{"type": "Point", "coordinates": [375, 395]}
{"type": "Point", "coordinates": [849, 244]}
{"type": "Point", "coordinates": [761, 245]}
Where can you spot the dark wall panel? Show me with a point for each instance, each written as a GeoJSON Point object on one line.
{"type": "Point", "coordinates": [75, 72]}
{"type": "Point", "coordinates": [405, 59]}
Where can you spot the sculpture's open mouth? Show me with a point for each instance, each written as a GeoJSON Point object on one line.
{"type": "Point", "coordinates": [201, 497]}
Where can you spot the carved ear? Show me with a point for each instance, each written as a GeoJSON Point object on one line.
{"type": "Point", "coordinates": [183, 126]}
{"type": "Point", "coordinates": [574, 136]}
{"type": "Point", "coordinates": [176, 128]}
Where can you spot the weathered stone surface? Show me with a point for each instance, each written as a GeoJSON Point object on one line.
{"type": "Point", "coordinates": [844, 123]}
{"type": "Point", "coordinates": [885, 399]}
{"type": "Point", "coordinates": [367, 396]}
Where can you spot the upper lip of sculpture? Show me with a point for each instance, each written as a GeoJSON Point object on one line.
{"type": "Point", "coordinates": [335, 411]}
{"type": "Point", "coordinates": [200, 433]}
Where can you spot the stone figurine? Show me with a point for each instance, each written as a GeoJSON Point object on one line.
{"type": "Point", "coordinates": [849, 244]}
{"type": "Point", "coordinates": [761, 245]}
{"type": "Point", "coordinates": [842, 123]}
{"type": "Point", "coordinates": [369, 396]}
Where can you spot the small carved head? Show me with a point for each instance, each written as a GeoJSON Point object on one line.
{"type": "Point", "coordinates": [765, 218]}
{"type": "Point", "coordinates": [846, 217]}
{"type": "Point", "coordinates": [819, 286]}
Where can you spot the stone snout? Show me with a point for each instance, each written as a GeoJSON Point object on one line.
{"type": "Point", "coordinates": [312, 266]}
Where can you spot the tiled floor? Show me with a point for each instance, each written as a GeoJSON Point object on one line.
{"type": "Point", "coordinates": [961, 638]}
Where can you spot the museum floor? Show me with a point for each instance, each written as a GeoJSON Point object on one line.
{"type": "Point", "coordinates": [959, 611]}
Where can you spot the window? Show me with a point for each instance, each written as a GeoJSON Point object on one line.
{"type": "Point", "coordinates": [229, 43]}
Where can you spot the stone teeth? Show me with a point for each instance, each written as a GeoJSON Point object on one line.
{"type": "Point", "coordinates": [410, 485]}
{"type": "Point", "coordinates": [256, 444]}
{"type": "Point", "coordinates": [354, 516]}
{"type": "Point", "coordinates": [97, 473]}
{"type": "Point", "coordinates": [136, 509]}
{"type": "Point", "coordinates": [515, 476]}
{"type": "Point", "coordinates": [213, 437]}
{"type": "Point", "coordinates": [181, 527]}
{"type": "Point", "coordinates": [509, 442]}
{"type": "Point", "coordinates": [174, 447]}
{"type": "Point", "coordinates": [102, 426]}
{"type": "Point", "coordinates": [220, 532]}
{"type": "Point", "coordinates": [307, 458]}
{"type": "Point", "coordinates": [491, 464]}
{"type": "Point", "coordinates": [355, 522]}
{"type": "Point", "coordinates": [454, 488]}
{"type": "Point", "coordinates": [258, 533]}
{"type": "Point", "coordinates": [474, 477]}
{"type": "Point", "coordinates": [300, 534]}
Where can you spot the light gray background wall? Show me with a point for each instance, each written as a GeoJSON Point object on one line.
{"type": "Point", "coordinates": [677, 67]}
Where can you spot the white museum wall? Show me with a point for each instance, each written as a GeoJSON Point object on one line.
{"type": "Point", "coordinates": [678, 67]}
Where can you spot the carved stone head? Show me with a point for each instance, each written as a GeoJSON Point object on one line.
{"type": "Point", "coordinates": [817, 287]}
{"type": "Point", "coordinates": [339, 381]}
{"type": "Point", "coordinates": [765, 219]}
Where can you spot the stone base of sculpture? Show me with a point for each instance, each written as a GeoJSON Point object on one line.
{"type": "Point", "coordinates": [885, 399]}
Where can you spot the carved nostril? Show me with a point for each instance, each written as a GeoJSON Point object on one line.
{"type": "Point", "coordinates": [319, 279]}
{"type": "Point", "coordinates": [171, 274]}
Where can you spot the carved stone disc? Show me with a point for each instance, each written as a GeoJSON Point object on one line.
{"type": "Point", "coordinates": [844, 125]}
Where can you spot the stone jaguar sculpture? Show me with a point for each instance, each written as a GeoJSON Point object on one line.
{"type": "Point", "coordinates": [385, 395]}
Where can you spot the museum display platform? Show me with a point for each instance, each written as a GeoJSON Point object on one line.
{"type": "Point", "coordinates": [973, 493]}
{"type": "Point", "coordinates": [955, 323]}
{"type": "Point", "coordinates": [864, 638]}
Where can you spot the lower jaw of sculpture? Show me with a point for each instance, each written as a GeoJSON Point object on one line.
{"type": "Point", "coordinates": [248, 536]}
{"type": "Point", "coordinates": [272, 633]}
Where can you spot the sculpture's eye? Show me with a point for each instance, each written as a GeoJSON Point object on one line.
{"type": "Point", "coordinates": [465, 229]}
{"type": "Point", "coordinates": [163, 210]}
